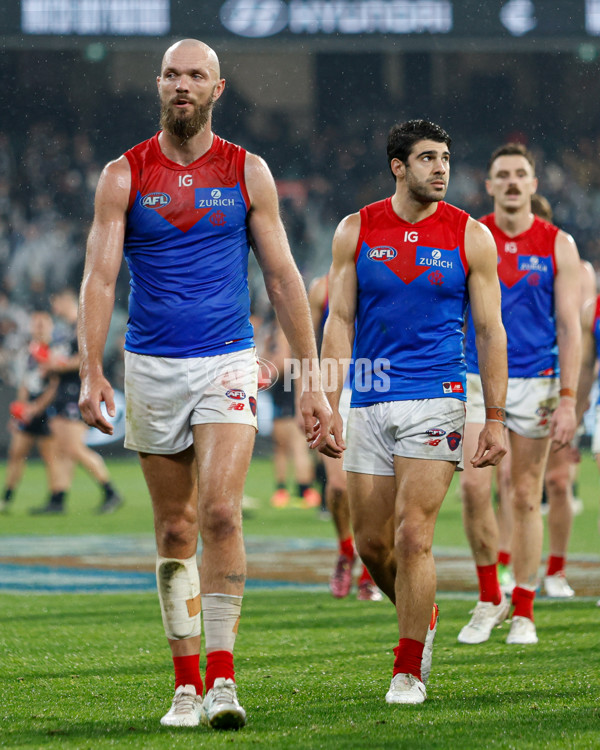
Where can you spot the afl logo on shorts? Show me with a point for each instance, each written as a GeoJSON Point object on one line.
{"type": "Point", "coordinates": [382, 252]}
{"type": "Point", "coordinates": [236, 393]}
{"type": "Point", "coordinates": [435, 432]}
{"type": "Point", "coordinates": [155, 200]}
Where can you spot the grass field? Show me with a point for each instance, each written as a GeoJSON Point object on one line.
{"type": "Point", "coordinates": [94, 671]}
{"type": "Point", "coordinates": [136, 516]}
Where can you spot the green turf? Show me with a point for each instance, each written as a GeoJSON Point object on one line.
{"type": "Point", "coordinates": [135, 517]}
{"type": "Point", "coordinates": [84, 671]}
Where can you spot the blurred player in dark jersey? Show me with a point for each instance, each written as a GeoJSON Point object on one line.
{"type": "Point", "coordinates": [64, 416]}
{"type": "Point", "coordinates": [30, 422]}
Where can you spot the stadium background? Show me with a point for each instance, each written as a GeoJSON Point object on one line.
{"type": "Point", "coordinates": [313, 86]}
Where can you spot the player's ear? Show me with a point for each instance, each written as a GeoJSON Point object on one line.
{"type": "Point", "coordinates": [488, 187]}
{"type": "Point", "coordinates": [397, 167]}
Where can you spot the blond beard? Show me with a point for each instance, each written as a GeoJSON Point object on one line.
{"type": "Point", "coordinates": [184, 128]}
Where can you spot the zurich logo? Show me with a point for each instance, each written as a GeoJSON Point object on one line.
{"type": "Point", "coordinates": [436, 254]}
{"type": "Point", "coordinates": [382, 252]}
{"type": "Point", "coordinates": [216, 193]}
{"type": "Point", "coordinates": [254, 18]}
{"type": "Point", "coordinates": [155, 200]}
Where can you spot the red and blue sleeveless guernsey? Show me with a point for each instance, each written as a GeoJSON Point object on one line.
{"type": "Point", "coordinates": [186, 245]}
{"type": "Point", "coordinates": [411, 301]}
{"type": "Point", "coordinates": [526, 269]}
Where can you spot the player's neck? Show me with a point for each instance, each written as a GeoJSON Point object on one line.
{"type": "Point", "coordinates": [515, 223]}
{"type": "Point", "coordinates": [185, 152]}
{"type": "Point", "coordinates": [408, 209]}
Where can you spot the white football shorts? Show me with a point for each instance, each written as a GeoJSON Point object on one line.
{"type": "Point", "coordinates": [430, 429]}
{"type": "Point", "coordinates": [596, 437]}
{"type": "Point", "coordinates": [166, 396]}
{"type": "Point", "coordinates": [530, 403]}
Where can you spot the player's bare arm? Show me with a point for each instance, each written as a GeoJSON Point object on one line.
{"type": "Point", "coordinates": [588, 359]}
{"type": "Point", "coordinates": [317, 293]}
{"type": "Point", "coordinates": [484, 297]}
{"type": "Point", "coordinates": [103, 260]}
{"type": "Point", "coordinates": [287, 293]}
{"type": "Point", "coordinates": [338, 335]}
{"type": "Point", "coordinates": [567, 295]}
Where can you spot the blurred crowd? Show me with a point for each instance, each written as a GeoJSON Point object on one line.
{"type": "Point", "coordinates": [48, 174]}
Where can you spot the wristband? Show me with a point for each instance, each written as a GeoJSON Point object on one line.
{"type": "Point", "coordinates": [567, 393]}
{"type": "Point", "coordinates": [495, 414]}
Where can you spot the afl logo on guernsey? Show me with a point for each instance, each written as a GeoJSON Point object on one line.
{"type": "Point", "coordinates": [155, 200]}
{"type": "Point", "coordinates": [382, 252]}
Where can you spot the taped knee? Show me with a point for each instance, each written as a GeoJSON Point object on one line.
{"type": "Point", "coordinates": [178, 585]}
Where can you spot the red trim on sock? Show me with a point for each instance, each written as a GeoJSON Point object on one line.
{"type": "Point", "coordinates": [347, 547]}
{"type": "Point", "coordinates": [489, 588]}
{"type": "Point", "coordinates": [187, 671]}
{"type": "Point", "coordinates": [556, 564]}
{"type": "Point", "coordinates": [218, 664]}
{"type": "Point", "coordinates": [523, 601]}
{"type": "Point", "coordinates": [503, 558]}
{"type": "Point", "coordinates": [409, 654]}
{"type": "Point", "coordinates": [365, 576]}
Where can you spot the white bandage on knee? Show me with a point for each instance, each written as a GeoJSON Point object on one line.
{"type": "Point", "coordinates": [178, 585]}
{"type": "Point", "coordinates": [221, 614]}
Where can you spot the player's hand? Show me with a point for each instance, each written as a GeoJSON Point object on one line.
{"type": "Point", "coordinates": [316, 417]}
{"type": "Point", "coordinates": [96, 389]}
{"type": "Point", "coordinates": [491, 446]}
{"type": "Point", "coordinates": [563, 424]}
{"type": "Point", "coordinates": [334, 446]}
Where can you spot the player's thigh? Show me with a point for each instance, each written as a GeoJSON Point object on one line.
{"type": "Point", "coordinates": [172, 484]}
{"type": "Point", "coordinates": [474, 482]}
{"type": "Point", "coordinates": [334, 471]}
{"type": "Point", "coordinates": [421, 486]}
{"type": "Point", "coordinates": [20, 445]}
{"type": "Point", "coordinates": [528, 463]}
{"type": "Point", "coordinates": [223, 454]}
{"type": "Point", "coordinates": [371, 499]}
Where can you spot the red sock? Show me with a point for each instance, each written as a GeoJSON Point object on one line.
{"type": "Point", "coordinates": [523, 601]}
{"type": "Point", "coordinates": [218, 664]}
{"type": "Point", "coordinates": [556, 564]}
{"type": "Point", "coordinates": [365, 576]}
{"type": "Point", "coordinates": [187, 671]}
{"type": "Point", "coordinates": [503, 558]}
{"type": "Point", "coordinates": [489, 588]}
{"type": "Point", "coordinates": [347, 548]}
{"type": "Point", "coordinates": [408, 654]}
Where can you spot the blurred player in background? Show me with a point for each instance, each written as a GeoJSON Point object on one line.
{"type": "Point", "coordinates": [559, 478]}
{"type": "Point", "coordinates": [184, 207]}
{"type": "Point", "coordinates": [590, 326]}
{"type": "Point", "coordinates": [30, 425]}
{"type": "Point", "coordinates": [289, 444]}
{"type": "Point", "coordinates": [392, 261]}
{"type": "Point", "coordinates": [65, 418]}
{"type": "Point", "coordinates": [539, 272]}
{"type": "Point", "coordinates": [336, 489]}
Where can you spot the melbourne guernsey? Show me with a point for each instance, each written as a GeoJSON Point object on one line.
{"type": "Point", "coordinates": [411, 301]}
{"type": "Point", "coordinates": [526, 269]}
{"type": "Point", "coordinates": [186, 245]}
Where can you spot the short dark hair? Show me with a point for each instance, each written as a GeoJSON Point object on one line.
{"type": "Point", "coordinates": [403, 137]}
{"type": "Point", "coordinates": [512, 149]}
